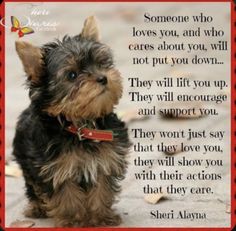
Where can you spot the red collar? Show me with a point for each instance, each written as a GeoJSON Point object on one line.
{"type": "Point", "coordinates": [91, 134]}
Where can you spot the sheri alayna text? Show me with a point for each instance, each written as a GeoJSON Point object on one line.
{"type": "Point", "coordinates": [179, 215]}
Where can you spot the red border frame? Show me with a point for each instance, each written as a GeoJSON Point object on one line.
{"type": "Point", "coordinates": [233, 121]}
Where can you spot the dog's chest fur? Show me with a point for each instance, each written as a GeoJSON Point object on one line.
{"type": "Point", "coordinates": [80, 164]}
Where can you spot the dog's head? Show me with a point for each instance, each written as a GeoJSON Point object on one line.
{"type": "Point", "coordinates": [74, 77]}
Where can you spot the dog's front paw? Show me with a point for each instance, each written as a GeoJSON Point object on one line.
{"type": "Point", "coordinates": [34, 211]}
{"type": "Point", "coordinates": [69, 223]}
{"type": "Point", "coordinates": [108, 220]}
{"type": "Point", "coordinates": [64, 223]}
{"type": "Point", "coordinates": [113, 220]}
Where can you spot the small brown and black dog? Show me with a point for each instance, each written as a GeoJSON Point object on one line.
{"type": "Point", "coordinates": [70, 145]}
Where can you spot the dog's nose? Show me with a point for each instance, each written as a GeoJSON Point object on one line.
{"type": "Point", "coordinates": [102, 79]}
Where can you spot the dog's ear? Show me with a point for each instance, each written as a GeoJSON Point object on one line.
{"type": "Point", "coordinates": [90, 30]}
{"type": "Point", "coordinates": [31, 57]}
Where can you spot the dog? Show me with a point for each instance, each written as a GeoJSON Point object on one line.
{"type": "Point", "coordinates": [71, 146]}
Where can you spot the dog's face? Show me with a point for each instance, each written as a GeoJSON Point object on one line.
{"type": "Point", "coordinates": [74, 77]}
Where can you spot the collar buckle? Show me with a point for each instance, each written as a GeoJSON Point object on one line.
{"type": "Point", "coordinates": [79, 134]}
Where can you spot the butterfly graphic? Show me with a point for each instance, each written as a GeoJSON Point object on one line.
{"type": "Point", "coordinates": [17, 27]}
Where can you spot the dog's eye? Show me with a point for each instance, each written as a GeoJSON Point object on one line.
{"type": "Point", "coordinates": [72, 75]}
